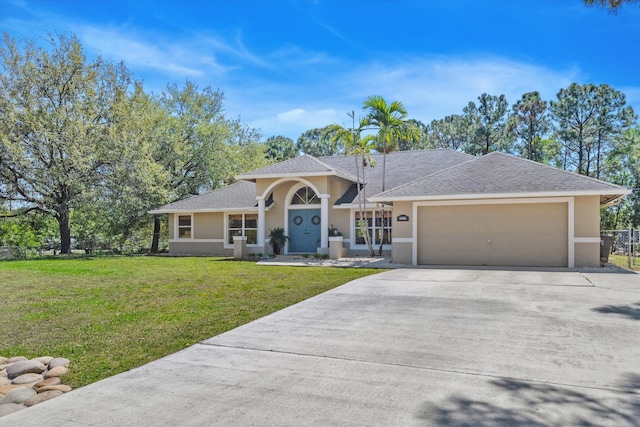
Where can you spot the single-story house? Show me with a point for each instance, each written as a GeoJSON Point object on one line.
{"type": "Point", "coordinates": [439, 207]}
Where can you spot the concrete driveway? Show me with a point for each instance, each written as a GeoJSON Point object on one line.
{"type": "Point", "coordinates": [453, 347]}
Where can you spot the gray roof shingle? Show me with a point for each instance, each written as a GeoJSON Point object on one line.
{"type": "Point", "coordinates": [402, 167]}
{"type": "Point", "coordinates": [301, 166]}
{"type": "Point", "coordinates": [241, 195]}
{"type": "Point", "coordinates": [498, 173]}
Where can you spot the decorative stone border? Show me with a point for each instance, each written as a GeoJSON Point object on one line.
{"type": "Point", "coordinates": [27, 382]}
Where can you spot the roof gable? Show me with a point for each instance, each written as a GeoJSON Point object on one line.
{"type": "Point", "coordinates": [499, 174]}
{"type": "Point", "coordinates": [304, 165]}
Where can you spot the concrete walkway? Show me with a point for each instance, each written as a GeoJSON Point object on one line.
{"type": "Point", "coordinates": [453, 347]}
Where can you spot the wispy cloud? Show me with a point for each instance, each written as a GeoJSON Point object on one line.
{"type": "Point", "coordinates": [430, 88]}
{"type": "Point", "coordinates": [167, 57]}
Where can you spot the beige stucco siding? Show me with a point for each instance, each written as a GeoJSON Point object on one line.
{"type": "Point", "coordinates": [587, 216]}
{"type": "Point", "coordinates": [193, 247]}
{"type": "Point", "coordinates": [171, 223]}
{"type": "Point", "coordinates": [321, 183]}
{"type": "Point", "coordinates": [587, 225]}
{"type": "Point", "coordinates": [209, 225]}
{"type": "Point", "coordinates": [402, 229]}
{"type": "Point", "coordinates": [530, 234]}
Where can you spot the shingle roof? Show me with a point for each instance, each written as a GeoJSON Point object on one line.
{"type": "Point", "coordinates": [304, 165]}
{"type": "Point", "coordinates": [241, 195]}
{"type": "Point", "coordinates": [498, 173]}
{"type": "Point", "coordinates": [402, 167]}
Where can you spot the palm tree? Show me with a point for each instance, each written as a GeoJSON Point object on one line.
{"type": "Point", "coordinates": [392, 125]}
{"type": "Point", "coordinates": [361, 149]}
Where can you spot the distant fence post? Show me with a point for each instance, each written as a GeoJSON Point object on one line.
{"type": "Point", "coordinates": [629, 247]}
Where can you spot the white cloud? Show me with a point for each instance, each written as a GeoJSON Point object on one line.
{"type": "Point", "coordinates": [430, 88]}
{"type": "Point", "coordinates": [167, 57]}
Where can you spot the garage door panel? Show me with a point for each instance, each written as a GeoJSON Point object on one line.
{"type": "Point", "coordinates": [508, 234]}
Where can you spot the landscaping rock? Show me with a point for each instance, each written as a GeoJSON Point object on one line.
{"type": "Point", "coordinates": [24, 367]}
{"type": "Point", "coordinates": [48, 381]}
{"type": "Point", "coordinates": [27, 379]}
{"type": "Point", "coordinates": [10, 408]}
{"type": "Point", "coordinates": [44, 359]}
{"type": "Point", "coordinates": [41, 397]}
{"type": "Point", "coordinates": [58, 361]}
{"type": "Point", "coordinates": [58, 371]}
{"type": "Point", "coordinates": [18, 395]}
{"type": "Point", "coordinates": [4, 389]}
{"type": "Point", "coordinates": [25, 382]}
{"type": "Point", "coordinates": [60, 387]}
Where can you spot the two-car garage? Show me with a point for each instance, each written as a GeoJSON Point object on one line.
{"type": "Point", "coordinates": [499, 234]}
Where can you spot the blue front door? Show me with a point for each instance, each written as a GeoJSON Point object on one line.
{"type": "Point", "coordinates": [304, 230]}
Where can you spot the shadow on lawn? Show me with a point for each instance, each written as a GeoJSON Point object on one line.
{"type": "Point", "coordinates": [631, 311]}
{"type": "Point", "coordinates": [535, 404]}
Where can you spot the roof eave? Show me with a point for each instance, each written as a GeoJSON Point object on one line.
{"type": "Point", "coordinates": [205, 210]}
{"type": "Point", "coordinates": [617, 194]}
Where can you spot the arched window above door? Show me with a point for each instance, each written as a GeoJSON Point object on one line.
{"type": "Point", "coordinates": [305, 196]}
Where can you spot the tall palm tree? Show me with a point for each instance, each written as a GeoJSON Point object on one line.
{"type": "Point", "coordinates": [392, 124]}
{"type": "Point", "coordinates": [360, 148]}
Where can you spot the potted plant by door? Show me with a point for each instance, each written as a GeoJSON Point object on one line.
{"type": "Point", "coordinates": [277, 239]}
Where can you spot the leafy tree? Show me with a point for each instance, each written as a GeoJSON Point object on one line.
{"type": "Point", "coordinates": [624, 169]}
{"type": "Point", "coordinates": [56, 122]}
{"type": "Point", "coordinates": [198, 148]}
{"type": "Point", "coordinates": [451, 132]}
{"type": "Point", "coordinates": [280, 148]}
{"type": "Point", "coordinates": [487, 125]}
{"type": "Point", "coordinates": [588, 118]}
{"type": "Point", "coordinates": [417, 138]}
{"type": "Point", "coordinates": [529, 123]}
{"type": "Point", "coordinates": [392, 125]}
{"type": "Point", "coordinates": [317, 142]}
{"type": "Point", "coordinates": [360, 148]}
{"type": "Point", "coordinates": [612, 5]}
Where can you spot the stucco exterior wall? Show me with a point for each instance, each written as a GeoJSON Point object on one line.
{"type": "Point", "coordinates": [171, 226]}
{"type": "Point", "coordinates": [587, 225]}
{"type": "Point", "coordinates": [208, 225]}
{"type": "Point", "coordinates": [402, 229]}
{"type": "Point", "coordinates": [193, 247]}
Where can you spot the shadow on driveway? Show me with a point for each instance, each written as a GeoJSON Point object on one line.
{"type": "Point", "coordinates": [542, 403]}
{"type": "Point", "coordinates": [631, 311]}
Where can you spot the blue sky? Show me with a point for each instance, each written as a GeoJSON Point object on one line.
{"type": "Point", "coordinates": [289, 66]}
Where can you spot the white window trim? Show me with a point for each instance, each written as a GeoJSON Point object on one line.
{"type": "Point", "coordinates": [176, 227]}
{"type": "Point", "coordinates": [352, 221]}
{"type": "Point", "coordinates": [228, 245]}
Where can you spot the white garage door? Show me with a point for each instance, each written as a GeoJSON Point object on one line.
{"type": "Point", "coordinates": [531, 234]}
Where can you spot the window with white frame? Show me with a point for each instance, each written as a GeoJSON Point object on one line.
{"type": "Point", "coordinates": [378, 226]}
{"type": "Point", "coordinates": [184, 226]}
{"type": "Point", "coordinates": [243, 225]}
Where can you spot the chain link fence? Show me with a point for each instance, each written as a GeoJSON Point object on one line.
{"type": "Point", "coordinates": [621, 242]}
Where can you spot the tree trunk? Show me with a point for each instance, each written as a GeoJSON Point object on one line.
{"type": "Point", "coordinates": [65, 228]}
{"type": "Point", "coordinates": [156, 234]}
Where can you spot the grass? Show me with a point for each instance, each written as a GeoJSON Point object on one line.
{"type": "Point", "coordinates": [108, 315]}
{"type": "Point", "coordinates": [622, 261]}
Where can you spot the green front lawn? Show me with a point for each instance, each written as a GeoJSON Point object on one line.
{"type": "Point", "coordinates": [108, 315]}
{"type": "Point", "coordinates": [623, 261]}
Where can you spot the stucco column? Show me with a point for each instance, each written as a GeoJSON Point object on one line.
{"type": "Point", "coordinates": [324, 221]}
{"type": "Point", "coordinates": [261, 222]}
